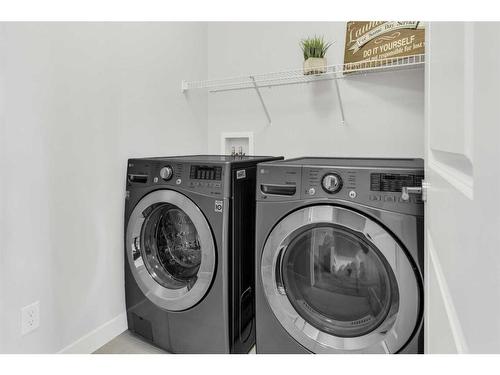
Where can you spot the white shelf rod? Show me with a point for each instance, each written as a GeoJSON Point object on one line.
{"type": "Point", "coordinates": [261, 100]}
{"type": "Point", "coordinates": [341, 106]}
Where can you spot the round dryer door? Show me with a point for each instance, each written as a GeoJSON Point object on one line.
{"type": "Point", "coordinates": [339, 283]}
{"type": "Point", "coordinates": [170, 250]}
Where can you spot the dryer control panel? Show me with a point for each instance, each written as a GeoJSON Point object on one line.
{"type": "Point", "coordinates": [370, 186]}
{"type": "Point", "coordinates": [382, 189]}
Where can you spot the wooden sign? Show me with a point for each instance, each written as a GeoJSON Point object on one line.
{"type": "Point", "coordinates": [382, 40]}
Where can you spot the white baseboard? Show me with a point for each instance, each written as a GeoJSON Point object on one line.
{"type": "Point", "coordinates": [93, 340]}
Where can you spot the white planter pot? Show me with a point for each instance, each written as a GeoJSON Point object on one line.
{"type": "Point", "coordinates": [315, 65]}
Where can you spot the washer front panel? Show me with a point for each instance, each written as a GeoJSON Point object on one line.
{"type": "Point", "coordinates": [399, 323]}
{"type": "Point", "coordinates": [173, 299]}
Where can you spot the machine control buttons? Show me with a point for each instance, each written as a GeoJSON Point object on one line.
{"type": "Point", "coordinates": [166, 173]}
{"type": "Point", "coordinates": [352, 194]}
{"type": "Point", "coordinates": [331, 183]}
{"type": "Point", "coordinates": [155, 180]}
{"type": "Point", "coordinates": [312, 191]}
{"type": "Point", "coordinates": [178, 181]}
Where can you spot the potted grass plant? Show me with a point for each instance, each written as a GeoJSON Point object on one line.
{"type": "Point", "coordinates": [314, 50]}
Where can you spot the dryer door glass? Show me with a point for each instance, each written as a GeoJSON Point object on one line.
{"type": "Point", "coordinates": [171, 246]}
{"type": "Point", "coordinates": [337, 281]}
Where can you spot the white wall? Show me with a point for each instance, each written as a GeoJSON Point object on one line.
{"type": "Point", "coordinates": [76, 101]}
{"type": "Point", "coordinates": [384, 112]}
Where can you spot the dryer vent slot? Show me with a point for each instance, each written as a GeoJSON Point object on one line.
{"type": "Point", "coordinates": [138, 178]}
{"type": "Point", "coordinates": [278, 189]}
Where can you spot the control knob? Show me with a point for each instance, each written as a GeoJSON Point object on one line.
{"type": "Point", "coordinates": [331, 183]}
{"type": "Point", "coordinates": [166, 173]}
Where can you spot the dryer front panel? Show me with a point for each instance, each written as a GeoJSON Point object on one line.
{"type": "Point", "coordinates": [170, 250]}
{"type": "Point", "coordinates": [338, 282]}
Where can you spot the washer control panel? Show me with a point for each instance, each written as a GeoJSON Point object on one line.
{"type": "Point", "coordinates": [203, 179]}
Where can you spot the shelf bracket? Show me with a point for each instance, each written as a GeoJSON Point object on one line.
{"type": "Point", "coordinates": [341, 106]}
{"type": "Point", "coordinates": [261, 99]}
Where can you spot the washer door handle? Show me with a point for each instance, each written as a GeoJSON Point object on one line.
{"type": "Point", "coordinates": [279, 275]}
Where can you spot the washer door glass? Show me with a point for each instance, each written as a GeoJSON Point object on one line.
{"type": "Point", "coordinates": [337, 281]}
{"type": "Point", "coordinates": [170, 250]}
{"type": "Point", "coordinates": [171, 246]}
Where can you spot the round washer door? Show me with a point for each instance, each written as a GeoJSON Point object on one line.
{"type": "Point", "coordinates": [339, 283]}
{"type": "Point", "coordinates": [170, 250]}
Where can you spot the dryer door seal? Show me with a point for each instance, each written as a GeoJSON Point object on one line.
{"type": "Point", "coordinates": [170, 250]}
{"type": "Point", "coordinates": [338, 282]}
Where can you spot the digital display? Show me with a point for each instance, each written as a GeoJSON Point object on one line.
{"type": "Point", "coordinates": [393, 182]}
{"type": "Point", "coordinates": [203, 172]}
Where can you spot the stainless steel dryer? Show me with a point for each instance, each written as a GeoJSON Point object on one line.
{"type": "Point", "coordinates": [189, 252]}
{"type": "Point", "coordinates": [339, 251]}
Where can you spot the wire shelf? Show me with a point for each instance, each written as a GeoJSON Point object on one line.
{"type": "Point", "coordinates": [297, 76]}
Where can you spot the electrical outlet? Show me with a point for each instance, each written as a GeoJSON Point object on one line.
{"type": "Point", "coordinates": [30, 317]}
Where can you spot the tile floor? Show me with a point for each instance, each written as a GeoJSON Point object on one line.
{"type": "Point", "coordinates": [130, 343]}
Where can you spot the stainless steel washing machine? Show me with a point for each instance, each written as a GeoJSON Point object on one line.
{"type": "Point", "coordinates": [339, 251]}
{"type": "Point", "coordinates": [189, 252]}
